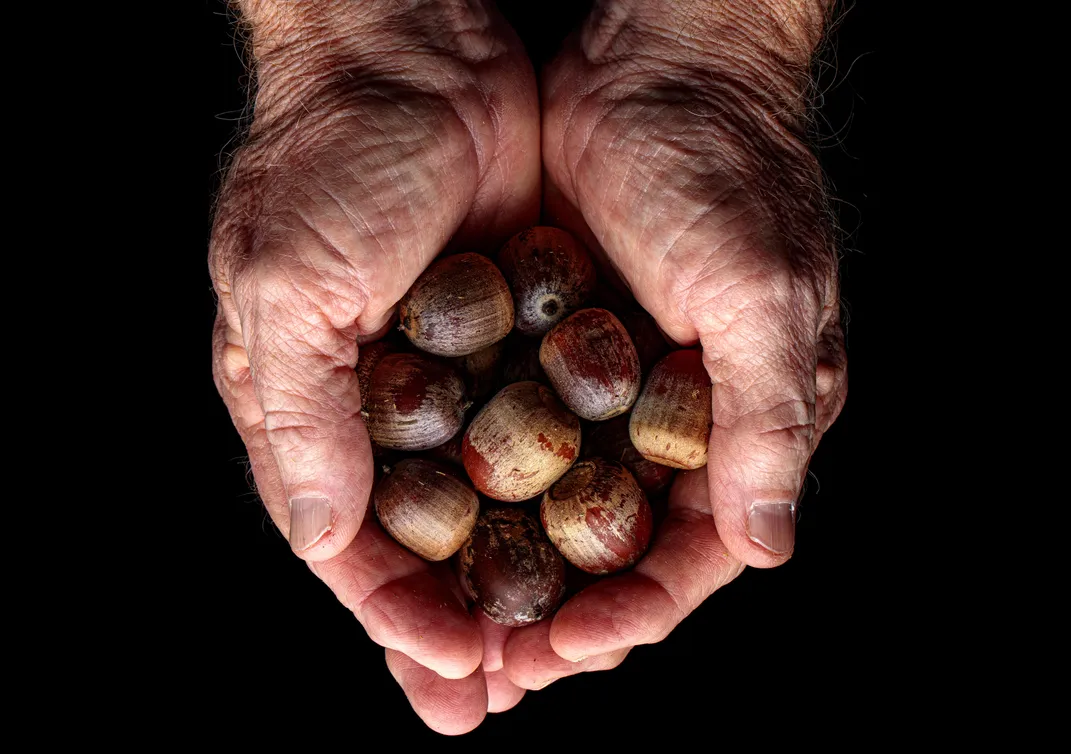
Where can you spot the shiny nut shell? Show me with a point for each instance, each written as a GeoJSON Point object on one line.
{"type": "Point", "coordinates": [414, 403]}
{"type": "Point", "coordinates": [426, 507]}
{"type": "Point", "coordinates": [592, 364]}
{"type": "Point", "coordinates": [520, 442]}
{"type": "Point", "coordinates": [550, 275]}
{"type": "Point", "coordinates": [510, 568]}
{"type": "Point", "coordinates": [597, 516]}
{"type": "Point", "coordinates": [457, 306]}
{"type": "Point", "coordinates": [671, 420]}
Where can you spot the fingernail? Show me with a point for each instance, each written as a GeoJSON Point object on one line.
{"type": "Point", "coordinates": [773, 525]}
{"type": "Point", "coordinates": [542, 686]}
{"type": "Point", "coordinates": [580, 659]}
{"type": "Point", "coordinates": [310, 519]}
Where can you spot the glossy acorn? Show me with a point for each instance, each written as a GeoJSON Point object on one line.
{"type": "Point", "coordinates": [598, 517]}
{"type": "Point", "coordinates": [427, 507]}
{"type": "Point", "coordinates": [414, 402]}
{"type": "Point", "coordinates": [520, 442]}
{"type": "Point", "coordinates": [459, 305]}
{"type": "Point", "coordinates": [592, 364]}
{"type": "Point", "coordinates": [510, 569]}
{"type": "Point", "coordinates": [550, 275]}
{"type": "Point", "coordinates": [671, 421]}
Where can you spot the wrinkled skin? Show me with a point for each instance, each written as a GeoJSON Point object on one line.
{"type": "Point", "coordinates": [671, 145]}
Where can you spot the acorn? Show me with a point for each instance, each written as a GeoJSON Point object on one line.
{"type": "Point", "coordinates": [449, 451]}
{"type": "Point", "coordinates": [550, 275]}
{"type": "Point", "coordinates": [510, 568]}
{"type": "Point", "coordinates": [414, 402]}
{"type": "Point", "coordinates": [651, 344]}
{"type": "Point", "coordinates": [592, 364]}
{"type": "Point", "coordinates": [610, 440]}
{"type": "Point", "coordinates": [481, 370]}
{"type": "Point", "coordinates": [426, 507]}
{"type": "Point", "coordinates": [598, 517]}
{"type": "Point", "coordinates": [368, 358]}
{"type": "Point", "coordinates": [457, 306]}
{"type": "Point", "coordinates": [520, 443]}
{"type": "Point", "coordinates": [671, 420]}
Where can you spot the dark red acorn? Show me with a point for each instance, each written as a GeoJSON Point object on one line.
{"type": "Point", "coordinates": [510, 568]}
{"type": "Point", "coordinates": [592, 364]}
{"type": "Point", "coordinates": [550, 275]}
{"type": "Point", "coordinates": [414, 402]}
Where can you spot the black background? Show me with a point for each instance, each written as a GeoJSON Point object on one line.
{"type": "Point", "coordinates": [271, 647]}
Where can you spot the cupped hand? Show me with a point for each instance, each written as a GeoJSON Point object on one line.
{"type": "Point", "coordinates": [673, 143]}
{"type": "Point", "coordinates": [381, 131]}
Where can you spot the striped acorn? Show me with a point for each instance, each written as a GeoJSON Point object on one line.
{"type": "Point", "coordinates": [672, 418]}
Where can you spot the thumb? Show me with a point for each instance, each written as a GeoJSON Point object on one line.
{"type": "Point", "coordinates": [762, 360]}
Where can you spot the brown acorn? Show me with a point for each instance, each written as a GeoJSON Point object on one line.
{"type": "Point", "coordinates": [414, 402]}
{"type": "Point", "coordinates": [520, 443]}
{"type": "Point", "coordinates": [651, 344]}
{"type": "Point", "coordinates": [592, 364]}
{"type": "Point", "coordinates": [610, 440]}
{"type": "Point", "coordinates": [510, 568]}
{"type": "Point", "coordinates": [597, 517]}
{"type": "Point", "coordinates": [368, 358]}
{"type": "Point", "coordinates": [457, 306]}
{"type": "Point", "coordinates": [671, 420]}
{"type": "Point", "coordinates": [550, 275]}
{"type": "Point", "coordinates": [481, 370]}
{"type": "Point", "coordinates": [427, 507]}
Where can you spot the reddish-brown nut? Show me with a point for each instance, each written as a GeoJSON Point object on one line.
{"type": "Point", "coordinates": [510, 568]}
{"type": "Point", "coordinates": [671, 421]}
{"type": "Point", "coordinates": [368, 358]}
{"type": "Point", "coordinates": [651, 344]}
{"type": "Point", "coordinates": [550, 275]}
{"type": "Point", "coordinates": [592, 363]}
{"type": "Point", "coordinates": [413, 403]}
{"type": "Point", "coordinates": [481, 370]}
{"type": "Point", "coordinates": [520, 443]}
{"type": "Point", "coordinates": [610, 440]}
{"type": "Point", "coordinates": [427, 507]}
{"type": "Point", "coordinates": [522, 361]}
{"type": "Point", "coordinates": [457, 306]}
{"type": "Point", "coordinates": [597, 517]}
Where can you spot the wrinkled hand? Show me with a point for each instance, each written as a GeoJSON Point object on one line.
{"type": "Point", "coordinates": [381, 131]}
{"type": "Point", "coordinates": [672, 143]}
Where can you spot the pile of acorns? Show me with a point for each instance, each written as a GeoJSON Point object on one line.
{"type": "Point", "coordinates": [564, 372]}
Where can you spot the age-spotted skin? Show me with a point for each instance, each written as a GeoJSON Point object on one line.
{"type": "Point", "coordinates": [592, 363]}
{"type": "Point", "coordinates": [598, 517]}
{"type": "Point", "coordinates": [520, 443]}
{"type": "Point", "coordinates": [671, 420]}
{"type": "Point", "coordinates": [510, 568]}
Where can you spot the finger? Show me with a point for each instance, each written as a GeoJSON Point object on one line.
{"type": "Point", "coordinates": [502, 694]}
{"type": "Point", "coordinates": [760, 348]}
{"type": "Point", "coordinates": [686, 564]}
{"type": "Point", "coordinates": [831, 381]}
{"type": "Point", "coordinates": [403, 604]}
{"type": "Point", "coordinates": [531, 663]}
{"type": "Point", "coordinates": [494, 641]}
{"type": "Point", "coordinates": [450, 707]}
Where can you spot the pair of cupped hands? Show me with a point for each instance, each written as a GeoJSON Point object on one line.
{"type": "Point", "coordinates": [669, 137]}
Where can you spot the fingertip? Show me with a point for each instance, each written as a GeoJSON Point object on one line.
{"type": "Point", "coordinates": [449, 707]}
{"type": "Point", "coordinates": [502, 694]}
{"type": "Point", "coordinates": [762, 537]}
{"type": "Point", "coordinates": [318, 531]}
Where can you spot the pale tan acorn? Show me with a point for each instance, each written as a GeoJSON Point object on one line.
{"type": "Point", "coordinates": [597, 516]}
{"type": "Point", "coordinates": [550, 275]}
{"type": "Point", "coordinates": [414, 402]}
{"type": "Point", "coordinates": [672, 418]}
{"type": "Point", "coordinates": [459, 305]}
{"type": "Point", "coordinates": [520, 442]}
{"type": "Point", "coordinates": [592, 364]}
{"type": "Point", "coordinates": [427, 507]}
